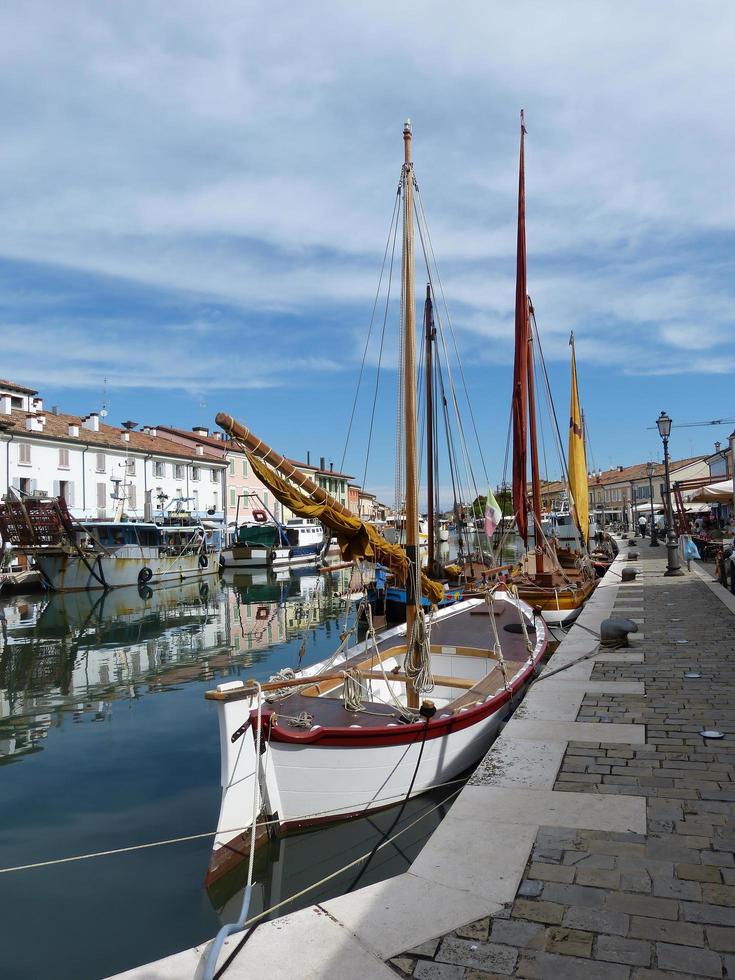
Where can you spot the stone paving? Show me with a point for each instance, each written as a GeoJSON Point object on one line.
{"type": "Point", "coordinates": [627, 906]}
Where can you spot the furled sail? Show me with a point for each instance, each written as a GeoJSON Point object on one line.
{"type": "Point", "coordinates": [520, 379]}
{"type": "Point", "coordinates": [578, 486]}
{"type": "Point", "coordinates": [358, 540]}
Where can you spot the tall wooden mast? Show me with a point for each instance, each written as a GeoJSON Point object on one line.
{"type": "Point", "coordinates": [429, 336]}
{"type": "Point", "coordinates": [413, 583]}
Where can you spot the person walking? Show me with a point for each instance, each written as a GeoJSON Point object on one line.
{"type": "Point", "coordinates": [642, 523]}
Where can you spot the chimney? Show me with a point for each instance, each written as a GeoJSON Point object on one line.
{"type": "Point", "coordinates": [6, 405]}
{"type": "Point", "coordinates": [322, 463]}
{"type": "Point", "coordinates": [38, 404]}
{"type": "Point", "coordinates": [717, 446]}
{"type": "Point", "coordinates": [125, 436]}
{"type": "Point", "coordinates": [128, 425]}
{"type": "Point", "coordinates": [73, 430]}
{"type": "Point", "coordinates": [200, 450]}
{"type": "Point", "coordinates": [92, 422]}
{"type": "Point", "coordinates": [331, 467]}
{"type": "Point", "coordinates": [200, 430]}
{"type": "Point", "coordinates": [33, 424]}
{"type": "Point", "coordinates": [54, 409]}
{"type": "Point", "coordinates": [308, 457]}
{"type": "Point", "coordinates": [145, 430]}
{"type": "Point", "coordinates": [42, 419]}
{"type": "Point", "coordinates": [152, 431]}
{"type": "Point", "coordinates": [620, 469]}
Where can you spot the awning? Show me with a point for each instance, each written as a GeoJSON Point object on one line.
{"type": "Point", "coordinates": [713, 493]}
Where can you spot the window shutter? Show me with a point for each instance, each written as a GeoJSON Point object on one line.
{"type": "Point", "coordinates": [132, 497]}
{"type": "Point", "coordinates": [57, 488]}
{"type": "Point", "coordinates": [101, 496]}
{"type": "Point", "coordinates": [70, 494]}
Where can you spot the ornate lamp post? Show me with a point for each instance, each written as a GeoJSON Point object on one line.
{"type": "Point", "coordinates": [654, 533]}
{"type": "Point", "coordinates": [673, 565]}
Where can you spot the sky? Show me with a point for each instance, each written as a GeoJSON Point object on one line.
{"type": "Point", "coordinates": [195, 202]}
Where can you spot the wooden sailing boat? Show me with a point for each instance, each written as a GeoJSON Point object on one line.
{"type": "Point", "coordinates": [355, 732]}
{"type": "Point", "coordinates": [559, 592]}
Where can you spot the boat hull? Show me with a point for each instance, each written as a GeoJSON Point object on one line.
{"type": "Point", "coordinates": [245, 556]}
{"type": "Point", "coordinates": [69, 573]}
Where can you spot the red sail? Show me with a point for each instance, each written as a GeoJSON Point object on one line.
{"type": "Point", "coordinates": [520, 396]}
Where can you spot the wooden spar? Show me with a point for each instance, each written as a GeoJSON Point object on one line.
{"type": "Point", "coordinates": [429, 335]}
{"type": "Point", "coordinates": [535, 480]}
{"type": "Point", "coordinates": [413, 579]}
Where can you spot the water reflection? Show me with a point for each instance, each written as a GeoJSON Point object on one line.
{"type": "Point", "coordinates": [80, 653]}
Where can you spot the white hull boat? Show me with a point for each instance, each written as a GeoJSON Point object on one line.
{"type": "Point", "coordinates": [324, 762]}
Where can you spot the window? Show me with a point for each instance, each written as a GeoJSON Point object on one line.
{"type": "Point", "coordinates": [179, 471]}
{"type": "Point", "coordinates": [232, 467]}
{"type": "Point", "coordinates": [63, 459]}
{"type": "Point", "coordinates": [195, 499]}
{"type": "Point", "coordinates": [214, 476]}
{"type": "Point", "coordinates": [233, 497]}
{"type": "Point", "coordinates": [214, 501]}
{"type": "Point", "coordinates": [159, 469]}
{"type": "Point", "coordinates": [101, 464]}
{"type": "Point", "coordinates": [132, 497]}
{"type": "Point", "coordinates": [244, 467]}
{"type": "Point", "coordinates": [66, 490]}
{"type": "Point", "coordinates": [130, 467]}
{"type": "Point", "coordinates": [195, 472]}
{"type": "Point", "coordinates": [24, 453]}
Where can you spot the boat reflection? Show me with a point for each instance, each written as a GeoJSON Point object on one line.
{"type": "Point", "coordinates": [78, 653]}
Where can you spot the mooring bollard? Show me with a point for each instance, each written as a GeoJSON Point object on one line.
{"type": "Point", "coordinates": [614, 631]}
{"type": "Point", "coordinates": [629, 574]}
{"type": "Point", "coordinates": [633, 556]}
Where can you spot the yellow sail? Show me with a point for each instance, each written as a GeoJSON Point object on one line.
{"type": "Point", "coordinates": [357, 539]}
{"type": "Point", "coordinates": [578, 487]}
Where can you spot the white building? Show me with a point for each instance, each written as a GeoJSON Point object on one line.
{"type": "Point", "coordinates": [97, 467]}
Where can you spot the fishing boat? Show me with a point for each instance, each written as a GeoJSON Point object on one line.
{"type": "Point", "coordinates": [357, 732]}
{"type": "Point", "coordinates": [542, 581]}
{"type": "Point", "coordinates": [299, 541]}
{"type": "Point", "coordinates": [76, 555]}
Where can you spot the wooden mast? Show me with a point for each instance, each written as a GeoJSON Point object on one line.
{"type": "Point", "coordinates": [429, 335]}
{"type": "Point", "coordinates": [413, 580]}
{"type": "Point", "coordinates": [535, 479]}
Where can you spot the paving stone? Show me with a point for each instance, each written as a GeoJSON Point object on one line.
{"type": "Point", "coordinates": [473, 930]}
{"type": "Point", "coordinates": [597, 878]}
{"type": "Point", "coordinates": [592, 898]}
{"type": "Point", "coordinates": [430, 947]}
{"type": "Point", "coordinates": [635, 881]}
{"type": "Point", "coordinates": [553, 872]}
{"type": "Point", "coordinates": [482, 956]}
{"type": "Point", "coordinates": [684, 933]}
{"type": "Point", "coordinates": [529, 888]}
{"type": "Point", "coordinates": [698, 872]}
{"type": "Point", "coordinates": [428, 970]}
{"type": "Point", "coordinates": [717, 915]}
{"type": "Point", "coordinates": [721, 938]}
{"type": "Point", "coordinates": [404, 965]}
{"type": "Point", "coordinates": [719, 894]}
{"type": "Point", "coordinates": [596, 920]}
{"type": "Point", "coordinates": [569, 942]}
{"type": "Point", "coordinates": [673, 888]}
{"type": "Point", "coordinates": [700, 962]}
{"type": "Point", "coordinates": [548, 912]}
{"type": "Point", "coordinates": [661, 908]}
{"type": "Point", "coordinates": [515, 932]}
{"type": "Point", "coordinates": [635, 952]}
{"type": "Point", "coordinates": [543, 965]}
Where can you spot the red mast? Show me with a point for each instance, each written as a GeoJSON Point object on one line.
{"type": "Point", "coordinates": [520, 365]}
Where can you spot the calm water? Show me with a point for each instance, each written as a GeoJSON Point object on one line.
{"type": "Point", "coordinates": [106, 741]}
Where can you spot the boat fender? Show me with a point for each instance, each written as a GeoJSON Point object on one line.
{"type": "Point", "coordinates": [260, 516]}
{"type": "Point", "coordinates": [273, 555]}
{"type": "Point", "coordinates": [145, 592]}
{"type": "Point", "coordinates": [203, 561]}
{"type": "Point", "coordinates": [203, 590]}
{"type": "Point", "coordinates": [261, 612]}
{"type": "Point", "coordinates": [145, 575]}
{"type": "Point", "coordinates": [427, 709]}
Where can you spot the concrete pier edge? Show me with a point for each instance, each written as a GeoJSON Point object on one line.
{"type": "Point", "coordinates": [472, 865]}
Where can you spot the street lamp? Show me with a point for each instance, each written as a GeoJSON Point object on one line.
{"type": "Point", "coordinates": [673, 565]}
{"type": "Point", "coordinates": [654, 534]}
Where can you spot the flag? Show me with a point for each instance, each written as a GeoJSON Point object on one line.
{"type": "Point", "coordinates": [578, 487]}
{"type": "Point", "coordinates": [492, 513]}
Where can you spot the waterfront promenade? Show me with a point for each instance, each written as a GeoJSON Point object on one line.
{"type": "Point", "coordinates": [596, 838]}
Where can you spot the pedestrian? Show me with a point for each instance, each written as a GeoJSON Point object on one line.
{"type": "Point", "coordinates": [642, 525]}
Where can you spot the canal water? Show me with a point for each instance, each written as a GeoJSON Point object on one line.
{"type": "Point", "coordinates": [106, 742]}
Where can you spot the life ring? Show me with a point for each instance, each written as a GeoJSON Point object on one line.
{"type": "Point", "coordinates": [261, 612]}
{"type": "Point", "coordinates": [260, 516]}
{"type": "Point", "coordinates": [203, 561]}
{"type": "Point", "coordinates": [145, 575]}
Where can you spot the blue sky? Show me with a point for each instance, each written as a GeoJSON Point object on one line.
{"type": "Point", "coordinates": [195, 204]}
